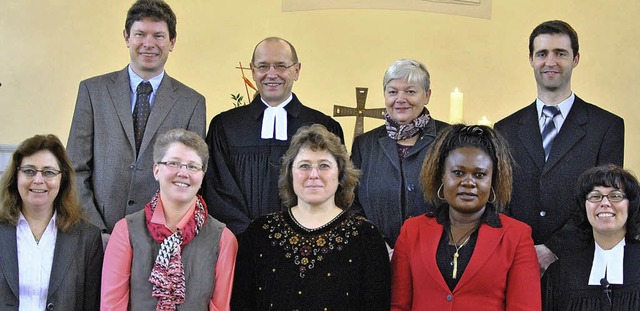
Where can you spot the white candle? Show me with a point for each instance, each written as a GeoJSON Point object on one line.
{"type": "Point", "coordinates": [485, 121]}
{"type": "Point", "coordinates": [455, 114]}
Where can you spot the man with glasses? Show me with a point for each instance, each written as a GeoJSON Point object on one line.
{"type": "Point", "coordinates": [246, 143]}
{"type": "Point", "coordinates": [554, 140]}
{"type": "Point", "coordinates": [119, 115]}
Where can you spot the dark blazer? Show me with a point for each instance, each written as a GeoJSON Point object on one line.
{"type": "Point", "coordinates": [502, 274]}
{"type": "Point", "coordinates": [543, 193]}
{"type": "Point", "coordinates": [75, 274]}
{"type": "Point", "coordinates": [114, 181]}
{"type": "Point", "coordinates": [389, 191]}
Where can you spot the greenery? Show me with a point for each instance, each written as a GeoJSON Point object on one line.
{"type": "Point", "coordinates": [238, 100]}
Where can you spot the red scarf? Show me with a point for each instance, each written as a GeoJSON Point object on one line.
{"type": "Point", "coordinates": [167, 275]}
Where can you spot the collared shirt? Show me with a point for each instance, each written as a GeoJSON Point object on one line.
{"type": "Point", "coordinates": [135, 79]}
{"type": "Point", "coordinates": [607, 264]}
{"type": "Point", "coordinates": [35, 261]}
{"type": "Point", "coordinates": [564, 106]}
{"type": "Point", "coordinates": [275, 118]}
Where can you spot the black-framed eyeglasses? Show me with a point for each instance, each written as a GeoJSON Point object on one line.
{"type": "Point", "coordinates": [613, 196]}
{"type": "Point", "coordinates": [47, 172]}
{"type": "Point", "coordinates": [279, 68]}
{"type": "Point", "coordinates": [175, 165]}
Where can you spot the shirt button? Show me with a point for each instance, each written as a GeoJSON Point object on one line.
{"type": "Point", "coordinates": [132, 167]}
{"type": "Point", "coordinates": [449, 297]}
{"type": "Point", "coordinates": [543, 213]}
{"type": "Point", "coordinates": [411, 187]}
{"type": "Point", "coordinates": [50, 306]}
{"type": "Point", "coordinates": [131, 202]}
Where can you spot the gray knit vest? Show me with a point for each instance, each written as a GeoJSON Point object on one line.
{"type": "Point", "coordinates": [199, 259]}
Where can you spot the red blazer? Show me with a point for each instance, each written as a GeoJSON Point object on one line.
{"type": "Point", "coordinates": [503, 273]}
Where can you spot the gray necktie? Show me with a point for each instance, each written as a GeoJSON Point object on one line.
{"type": "Point", "coordinates": [141, 111]}
{"type": "Point", "coordinates": [549, 131]}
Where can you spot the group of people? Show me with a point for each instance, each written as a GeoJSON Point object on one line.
{"type": "Point", "coordinates": [269, 211]}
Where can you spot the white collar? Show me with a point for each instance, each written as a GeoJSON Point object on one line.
{"type": "Point", "coordinates": [275, 117]}
{"type": "Point", "coordinates": [607, 262]}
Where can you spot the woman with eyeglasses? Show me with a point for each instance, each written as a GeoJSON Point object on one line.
{"type": "Point", "coordinates": [601, 271]}
{"type": "Point", "coordinates": [172, 254]}
{"type": "Point", "coordinates": [50, 256]}
{"type": "Point", "coordinates": [391, 155]}
{"type": "Point", "coordinates": [314, 255]}
{"type": "Point", "coordinates": [466, 255]}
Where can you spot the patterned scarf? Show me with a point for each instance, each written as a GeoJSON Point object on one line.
{"type": "Point", "coordinates": [403, 131]}
{"type": "Point", "coordinates": [167, 275]}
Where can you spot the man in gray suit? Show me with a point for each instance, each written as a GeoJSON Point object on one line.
{"type": "Point", "coordinates": [554, 140]}
{"type": "Point", "coordinates": [114, 162]}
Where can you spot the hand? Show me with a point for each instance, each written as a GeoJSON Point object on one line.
{"type": "Point", "coordinates": [545, 257]}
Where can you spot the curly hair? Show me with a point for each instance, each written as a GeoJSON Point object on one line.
{"type": "Point", "coordinates": [608, 176]}
{"type": "Point", "coordinates": [66, 204]}
{"type": "Point", "coordinates": [316, 137]}
{"type": "Point", "coordinates": [476, 136]}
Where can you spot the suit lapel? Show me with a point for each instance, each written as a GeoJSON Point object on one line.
{"type": "Point", "coordinates": [431, 233]}
{"type": "Point", "coordinates": [62, 256]}
{"type": "Point", "coordinates": [9, 256]}
{"type": "Point", "coordinates": [570, 133]}
{"type": "Point", "coordinates": [120, 92]}
{"type": "Point", "coordinates": [163, 103]}
{"type": "Point", "coordinates": [488, 240]}
{"type": "Point", "coordinates": [529, 134]}
{"type": "Point", "coordinates": [389, 148]}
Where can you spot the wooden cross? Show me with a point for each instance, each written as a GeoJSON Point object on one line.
{"type": "Point", "coordinates": [359, 112]}
{"type": "Point", "coordinates": [247, 83]}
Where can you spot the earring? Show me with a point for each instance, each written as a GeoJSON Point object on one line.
{"type": "Point", "coordinates": [494, 196]}
{"type": "Point", "coordinates": [438, 193]}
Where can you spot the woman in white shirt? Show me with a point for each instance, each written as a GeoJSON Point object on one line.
{"type": "Point", "coordinates": [601, 272]}
{"type": "Point", "coordinates": [51, 257]}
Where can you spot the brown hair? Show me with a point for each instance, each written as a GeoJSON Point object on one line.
{"type": "Point", "coordinates": [476, 136]}
{"type": "Point", "coordinates": [317, 137]}
{"type": "Point", "coordinates": [66, 204]}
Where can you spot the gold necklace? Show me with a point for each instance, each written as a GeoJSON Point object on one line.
{"type": "Point", "coordinates": [458, 247]}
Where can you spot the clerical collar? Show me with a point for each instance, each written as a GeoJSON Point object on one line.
{"type": "Point", "coordinates": [607, 263]}
{"type": "Point", "coordinates": [275, 117]}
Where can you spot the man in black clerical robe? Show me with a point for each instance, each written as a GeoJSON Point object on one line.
{"type": "Point", "coordinates": [246, 143]}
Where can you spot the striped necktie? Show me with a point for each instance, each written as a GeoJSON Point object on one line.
{"type": "Point", "coordinates": [549, 130]}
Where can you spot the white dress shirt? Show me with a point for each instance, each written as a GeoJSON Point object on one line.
{"type": "Point", "coordinates": [35, 260]}
{"type": "Point", "coordinates": [564, 106]}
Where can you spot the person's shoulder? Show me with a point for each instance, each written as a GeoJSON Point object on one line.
{"type": "Point", "coordinates": [99, 79]}
{"type": "Point", "coordinates": [508, 223]}
{"type": "Point", "coordinates": [231, 116]}
{"type": "Point", "coordinates": [369, 135]}
{"type": "Point", "coordinates": [515, 117]}
{"type": "Point", "coordinates": [181, 87]}
{"type": "Point", "coordinates": [596, 111]}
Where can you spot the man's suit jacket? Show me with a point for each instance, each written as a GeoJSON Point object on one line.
{"type": "Point", "coordinates": [544, 192]}
{"type": "Point", "coordinates": [114, 181]}
{"type": "Point", "coordinates": [502, 274]}
{"type": "Point", "coordinates": [75, 274]}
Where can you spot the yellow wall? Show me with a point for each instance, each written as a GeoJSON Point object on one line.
{"type": "Point", "coordinates": [47, 47]}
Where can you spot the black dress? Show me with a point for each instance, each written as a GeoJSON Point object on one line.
{"type": "Point", "coordinates": [241, 182]}
{"type": "Point", "coordinates": [565, 284]}
{"type": "Point", "coordinates": [281, 265]}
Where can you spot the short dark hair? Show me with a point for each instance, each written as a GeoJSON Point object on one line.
{"type": "Point", "coordinates": [66, 204]}
{"type": "Point", "coordinates": [294, 54]}
{"type": "Point", "coordinates": [317, 137]}
{"type": "Point", "coordinates": [555, 27]}
{"type": "Point", "coordinates": [476, 136]}
{"type": "Point", "coordinates": [157, 10]}
{"type": "Point", "coordinates": [608, 176]}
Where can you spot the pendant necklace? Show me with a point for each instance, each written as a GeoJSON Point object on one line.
{"type": "Point", "coordinates": [458, 247]}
